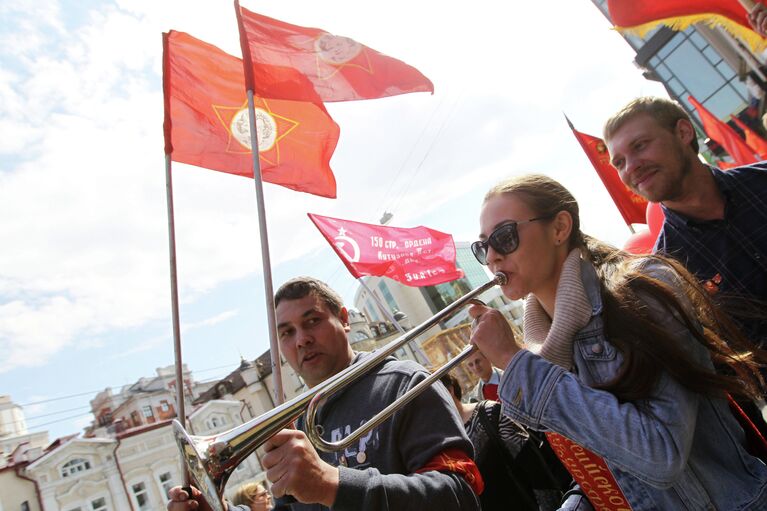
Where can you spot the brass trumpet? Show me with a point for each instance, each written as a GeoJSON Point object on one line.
{"type": "Point", "coordinates": [212, 459]}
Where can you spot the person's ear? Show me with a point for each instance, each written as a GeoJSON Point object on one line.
{"type": "Point", "coordinates": [343, 315]}
{"type": "Point", "coordinates": [685, 131]}
{"type": "Point", "coordinates": [562, 227]}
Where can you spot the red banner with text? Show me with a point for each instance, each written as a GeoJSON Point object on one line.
{"type": "Point", "coordinates": [416, 256]}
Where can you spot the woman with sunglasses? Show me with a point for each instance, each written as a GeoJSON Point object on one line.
{"type": "Point", "coordinates": [618, 364]}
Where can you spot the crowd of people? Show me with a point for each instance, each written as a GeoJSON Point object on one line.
{"type": "Point", "coordinates": [638, 383]}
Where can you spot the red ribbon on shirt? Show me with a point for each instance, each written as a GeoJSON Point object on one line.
{"type": "Point", "coordinates": [591, 473]}
{"type": "Point", "coordinates": [456, 461]}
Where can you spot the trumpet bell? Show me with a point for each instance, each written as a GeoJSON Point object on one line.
{"type": "Point", "coordinates": [197, 462]}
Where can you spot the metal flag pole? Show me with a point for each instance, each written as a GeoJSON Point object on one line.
{"type": "Point", "coordinates": [274, 347]}
{"type": "Point", "coordinates": [180, 405]}
{"type": "Point", "coordinates": [178, 364]}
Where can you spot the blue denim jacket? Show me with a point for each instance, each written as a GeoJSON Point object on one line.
{"type": "Point", "coordinates": [676, 450]}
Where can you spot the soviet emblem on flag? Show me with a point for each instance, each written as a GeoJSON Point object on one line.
{"type": "Point", "coordinates": [335, 49]}
{"type": "Point", "coordinates": [341, 241]}
{"type": "Point", "coordinates": [266, 128]}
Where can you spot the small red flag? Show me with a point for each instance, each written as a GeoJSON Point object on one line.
{"type": "Point", "coordinates": [631, 206]}
{"type": "Point", "coordinates": [206, 121]}
{"type": "Point", "coordinates": [640, 16]}
{"type": "Point", "coordinates": [724, 135]}
{"type": "Point", "coordinates": [752, 139]}
{"type": "Point", "coordinates": [309, 64]}
{"type": "Point", "coordinates": [416, 256]}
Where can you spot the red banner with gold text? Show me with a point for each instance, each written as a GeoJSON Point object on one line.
{"type": "Point", "coordinates": [591, 473]}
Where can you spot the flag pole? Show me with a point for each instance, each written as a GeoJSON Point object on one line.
{"type": "Point", "coordinates": [274, 346]}
{"type": "Point", "coordinates": [180, 404]}
{"type": "Point", "coordinates": [178, 361]}
{"type": "Point", "coordinates": [386, 312]}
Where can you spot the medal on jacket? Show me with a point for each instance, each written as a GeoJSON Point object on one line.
{"type": "Point", "coordinates": [712, 285]}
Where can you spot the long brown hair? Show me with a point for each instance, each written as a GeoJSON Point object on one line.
{"type": "Point", "coordinates": [648, 350]}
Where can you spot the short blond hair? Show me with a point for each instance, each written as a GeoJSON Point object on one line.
{"type": "Point", "coordinates": [665, 111]}
{"type": "Point", "coordinates": [247, 493]}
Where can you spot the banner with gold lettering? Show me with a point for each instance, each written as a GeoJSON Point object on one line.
{"type": "Point", "coordinates": [591, 473]}
{"type": "Point", "coordinates": [416, 256]}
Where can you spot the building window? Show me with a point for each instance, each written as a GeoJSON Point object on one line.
{"type": "Point", "coordinates": [147, 411]}
{"type": "Point", "coordinates": [74, 466]}
{"type": "Point", "coordinates": [166, 483]}
{"type": "Point", "coordinates": [100, 504]}
{"type": "Point", "coordinates": [142, 495]}
{"type": "Point", "coordinates": [164, 406]}
{"type": "Point", "coordinates": [387, 296]}
{"type": "Point", "coordinates": [25, 506]}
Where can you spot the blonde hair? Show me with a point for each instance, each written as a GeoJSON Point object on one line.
{"type": "Point", "coordinates": [247, 493]}
{"type": "Point", "coordinates": [665, 111]}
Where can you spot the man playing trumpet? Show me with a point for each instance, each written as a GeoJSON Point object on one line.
{"type": "Point", "coordinates": [419, 459]}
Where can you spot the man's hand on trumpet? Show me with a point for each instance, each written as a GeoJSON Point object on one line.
{"type": "Point", "coordinates": [180, 500]}
{"type": "Point", "coordinates": [491, 333]}
{"type": "Point", "coordinates": [294, 468]}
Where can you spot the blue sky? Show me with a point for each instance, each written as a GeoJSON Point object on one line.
{"type": "Point", "coordinates": [84, 293]}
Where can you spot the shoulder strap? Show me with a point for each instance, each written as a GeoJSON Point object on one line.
{"type": "Point", "coordinates": [490, 422]}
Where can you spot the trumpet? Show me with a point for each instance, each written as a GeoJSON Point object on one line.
{"type": "Point", "coordinates": [210, 460]}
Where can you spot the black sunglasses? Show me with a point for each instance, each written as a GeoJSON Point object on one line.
{"type": "Point", "coordinates": [504, 239]}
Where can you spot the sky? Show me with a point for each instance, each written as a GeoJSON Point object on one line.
{"type": "Point", "coordinates": [84, 271]}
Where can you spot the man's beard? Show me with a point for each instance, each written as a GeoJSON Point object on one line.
{"type": "Point", "coordinates": [676, 188]}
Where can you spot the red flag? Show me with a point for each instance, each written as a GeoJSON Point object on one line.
{"type": "Point", "coordinates": [725, 165]}
{"type": "Point", "coordinates": [206, 121]}
{"type": "Point", "coordinates": [724, 135]}
{"type": "Point", "coordinates": [417, 256]}
{"type": "Point", "coordinates": [309, 64]}
{"type": "Point", "coordinates": [752, 139]}
{"type": "Point", "coordinates": [631, 206]}
{"type": "Point", "coordinates": [640, 16]}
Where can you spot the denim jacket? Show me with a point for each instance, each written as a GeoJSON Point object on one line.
{"type": "Point", "coordinates": [676, 450]}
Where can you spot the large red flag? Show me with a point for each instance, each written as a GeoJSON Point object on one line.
{"type": "Point", "coordinates": [309, 64]}
{"type": "Point", "coordinates": [724, 135]}
{"type": "Point", "coordinates": [206, 121]}
{"type": "Point", "coordinates": [640, 16]}
{"type": "Point", "coordinates": [754, 141]}
{"type": "Point", "coordinates": [416, 256]}
{"type": "Point", "coordinates": [631, 206]}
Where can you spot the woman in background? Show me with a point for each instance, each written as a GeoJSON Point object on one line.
{"type": "Point", "coordinates": [254, 495]}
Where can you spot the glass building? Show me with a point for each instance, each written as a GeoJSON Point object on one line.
{"type": "Point", "coordinates": [706, 63]}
